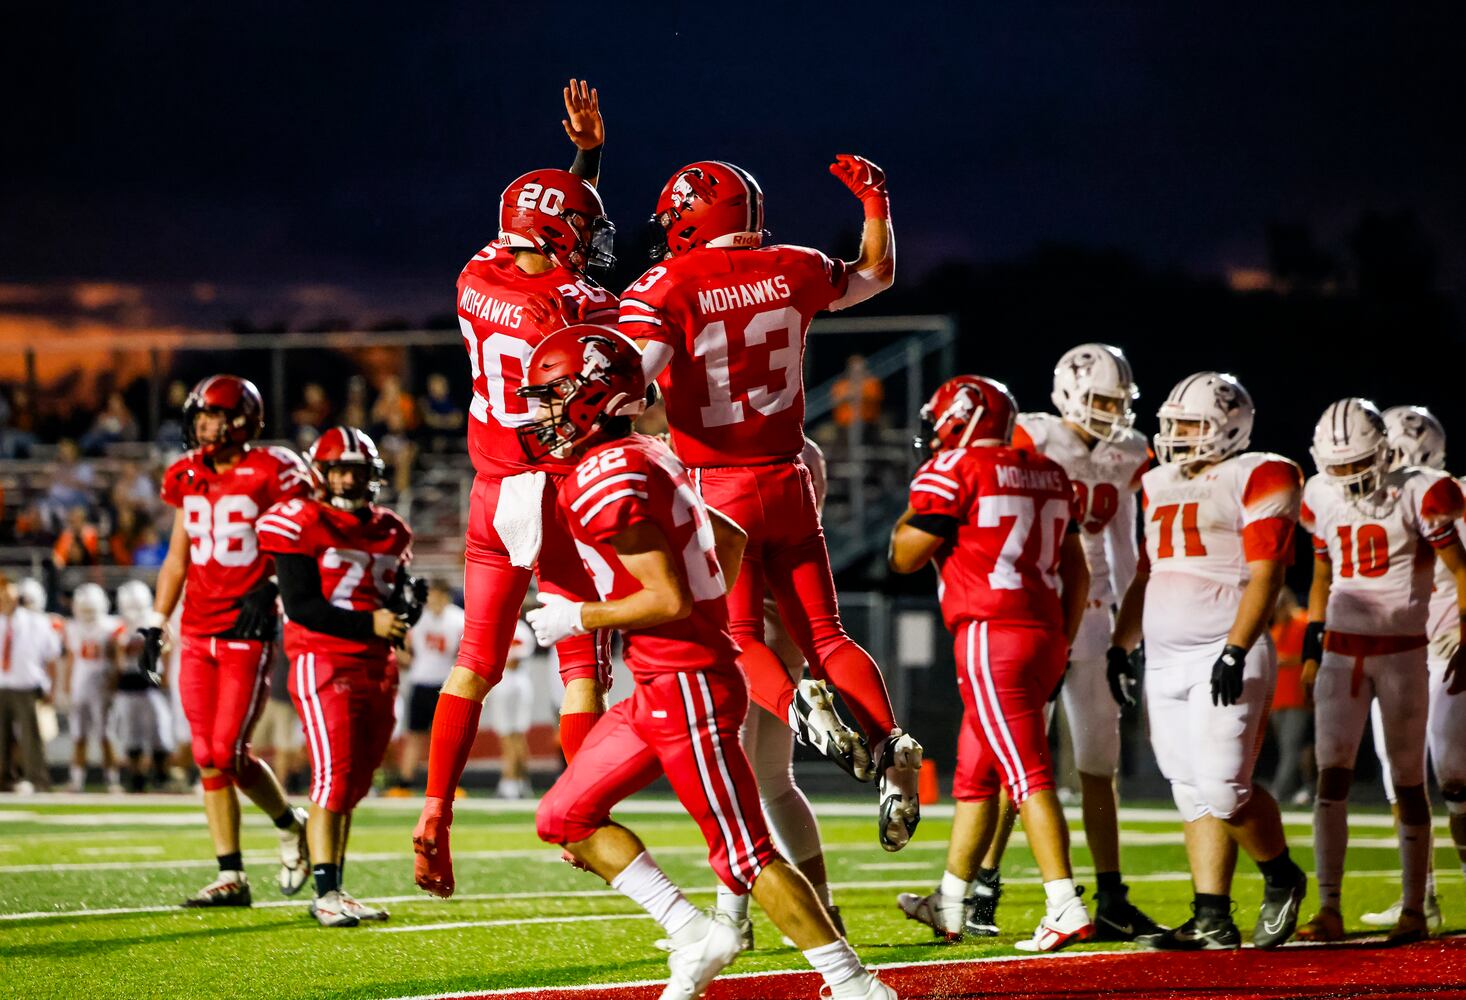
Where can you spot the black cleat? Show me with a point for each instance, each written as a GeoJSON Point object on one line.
{"type": "Point", "coordinates": [1200, 933]}
{"type": "Point", "coordinates": [1278, 916]}
{"type": "Point", "coordinates": [1118, 919]}
{"type": "Point", "coordinates": [982, 915]}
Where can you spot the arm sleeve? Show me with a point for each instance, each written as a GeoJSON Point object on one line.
{"type": "Point", "coordinates": [941, 525]}
{"type": "Point", "coordinates": [300, 591]}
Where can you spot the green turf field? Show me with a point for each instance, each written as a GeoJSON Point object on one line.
{"type": "Point", "coordinates": [87, 885]}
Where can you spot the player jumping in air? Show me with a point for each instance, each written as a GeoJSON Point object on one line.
{"type": "Point", "coordinates": [657, 555]}
{"type": "Point", "coordinates": [723, 320]}
{"type": "Point", "coordinates": [996, 519]}
{"type": "Point", "coordinates": [230, 618]}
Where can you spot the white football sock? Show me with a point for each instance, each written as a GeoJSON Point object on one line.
{"type": "Point", "coordinates": [836, 961]}
{"type": "Point", "coordinates": [78, 775]}
{"type": "Point", "coordinates": [731, 904]}
{"type": "Point", "coordinates": [649, 887]}
{"type": "Point", "coordinates": [954, 890]}
{"type": "Point", "coordinates": [1059, 893]}
{"type": "Point", "coordinates": [1414, 865]}
{"type": "Point", "coordinates": [1430, 875]}
{"type": "Point", "coordinates": [113, 776]}
{"type": "Point", "coordinates": [1330, 843]}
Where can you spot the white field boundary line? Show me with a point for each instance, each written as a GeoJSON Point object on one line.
{"type": "Point", "coordinates": [271, 904]}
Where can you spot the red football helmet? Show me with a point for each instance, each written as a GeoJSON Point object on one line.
{"type": "Point", "coordinates": [236, 399]}
{"type": "Point", "coordinates": [582, 376]}
{"type": "Point", "coordinates": [709, 203]}
{"type": "Point", "coordinates": [967, 409]}
{"type": "Point", "coordinates": [347, 446]}
{"type": "Point", "coordinates": [559, 215]}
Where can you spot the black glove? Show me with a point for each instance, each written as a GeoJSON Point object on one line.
{"type": "Point", "coordinates": [1226, 676]}
{"type": "Point", "coordinates": [1313, 642]}
{"type": "Point", "coordinates": [1054, 694]}
{"type": "Point", "coordinates": [409, 596]}
{"type": "Point", "coordinates": [258, 616]}
{"type": "Point", "coordinates": [151, 654]}
{"type": "Point", "coordinates": [1123, 673]}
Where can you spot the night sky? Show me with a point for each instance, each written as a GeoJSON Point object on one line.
{"type": "Point", "coordinates": [364, 146]}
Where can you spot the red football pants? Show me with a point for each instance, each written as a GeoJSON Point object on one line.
{"type": "Point", "coordinates": [785, 554]}
{"type": "Point", "coordinates": [348, 706]}
{"type": "Point", "coordinates": [494, 590]}
{"type": "Point", "coordinates": [686, 726]}
{"type": "Point", "coordinates": [1005, 674]}
{"type": "Point", "coordinates": [222, 684]}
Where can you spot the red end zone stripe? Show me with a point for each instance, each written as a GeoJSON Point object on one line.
{"type": "Point", "coordinates": [1434, 969]}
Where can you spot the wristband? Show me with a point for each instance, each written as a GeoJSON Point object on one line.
{"type": "Point", "coordinates": [1313, 642]}
{"type": "Point", "coordinates": [587, 163]}
{"type": "Point", "coordinates": [877, 205]}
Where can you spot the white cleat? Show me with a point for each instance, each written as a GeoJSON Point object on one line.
{"type": "Point", "coordinates": [330, 911]}
{"type": "Point", "coordinates": [295, 856]}
{"type": "Point", "coordinates": [697, 963]}
{"type": "Point", "coordinates": [944, 918]}
{"type": "Point", "coordinates": [865, 986]}
{"type": "Point", "coordinates": [1054, 932]}
{"type": "Point", "coordinates": [816, 724]}
{"type": "Point", "coordinates": [745, 934]}
{"type": "Point", "coordinates": [1390, 916]}
{"type": "Point", "coordinates": [898, 761]}
{"type": "Point", "coordinates": [362, 911]}
{"type": "Point", "coordinates": [229, 889]}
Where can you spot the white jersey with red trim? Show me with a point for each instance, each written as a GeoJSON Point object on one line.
{"type": "Point", "coordinates": [1200, 534]}
{"type": "Point", "coordinates": [1382, 548]}
{"type": "Point", "coordinates": [1106, 478]}
{"type": "Point", "coordinates": [1445, 614]}
{"type": "Point", "coordinates": [434, 643]}
{"type": "Point", "coordinates": [90, 645]}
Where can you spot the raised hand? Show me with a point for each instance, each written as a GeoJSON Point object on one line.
{"type": "Point", "coordinates": [582, 121]}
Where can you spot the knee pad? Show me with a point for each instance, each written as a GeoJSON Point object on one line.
{"type": "Point", "coordinates": [1222, 799]}
{"type": "Point", "coordinates": [1187, 801]}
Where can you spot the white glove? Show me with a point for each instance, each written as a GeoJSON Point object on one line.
{"type": "Point", "coordinates": [555, 619]}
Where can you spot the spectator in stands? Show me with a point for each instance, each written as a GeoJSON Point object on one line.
{"type": "Point", "coordinates": [113, 425]}
{"type": "Point", "coordinates": [391, 400]}
{"type": "Point", "coordinates": [29, 645]}
{"type": "Point", "coordinates": [16, 437]}
{"type": "Point", "coordinates": [858, 397]}
{"type": "Point", "coordinates": [314, 410]}
{"type": "Point", "coordinates": [127, 535]}
{"type": "Point", "coordinates": [442, 418]}
{"type": "Point", "coordinates": [398, 452]}
{"type": "Point", "coordinates": [80, 543]}
{"type": "Point", "coordinates": [134, 488]}
{"type": "Point", "coordinates": [1291, 719]}
{"type": "Point", "coordinates": [73, 482]}
{"type": "Point", "coordinates": [354, 413]}
{"type": "Point", "coordinates": [151, 548]}
{"type": "Point", "coordinates": [170, 430]}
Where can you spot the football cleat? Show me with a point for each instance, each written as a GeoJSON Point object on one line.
{"type": "Point", "coordinates": [745, 934]}
{"type": "Point", "coordinates": [1056, 931]}
{"type": "Point", "coordinates": [818, 725]}
{"type": "Point", "coordinates": [697, 963]}
{"type": "Point", "coordinates": [330, 911]}
{"type": "Point", "coordinates": [898, 761]}
{"type": "Point", "coordinates": [1411, 927]}
{"type": "Point", "coordinates": [1390, 916]}
{"type": "Point", "coordinates": [865, 986]}
{"type": "Point", "coordinates": [362, 911]}
{"type": "Point", "coordinates": [945, 919]}
{"type": "Point", "coordinates": [1118, 919]}
{"type": "Point", "coordinates": [229, 889]}
{"type": "Point", "coordinates": [1277, 918]}
{"type": "Point", "coordinates": [1327, 925]}
{"type": "Point", "coordinates": [1200, 933]}
{"type": "Point", "coordinates": [295, 855]}
{"type": "Point", "coordinates": [982, 913]}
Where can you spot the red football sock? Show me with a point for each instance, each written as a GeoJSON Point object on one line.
{"type": "Point", "coordinates": [455, 724]}
{"type": "Point", "coordinates": [574, 728]}
{"type": "Point", "coordinates": [768, 679]}
{"type": "Point", "coordinates": [855, 675]}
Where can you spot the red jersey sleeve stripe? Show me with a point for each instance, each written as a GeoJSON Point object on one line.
{"type": "Point", "coordinates": [591, 514]}
{"type": "Point", "coordinates": [638, 304]}
{"type": "Point", "coordinates": [625, 477]}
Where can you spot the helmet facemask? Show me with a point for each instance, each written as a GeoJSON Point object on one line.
{"type": "Point", "coordinates": [1356, 478]}
{"type": "Point", "coordinates": [1104, 415]}
{"type": "Point", "coordinates": [1175, 448]}
{"type": "Point", "coordinates": [361, 492]}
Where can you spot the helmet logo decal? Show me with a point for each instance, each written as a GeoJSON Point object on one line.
{"type": "Point", "coordinates": [690, 186]}
{"type": "Point", "coordinates": [1226, 397]}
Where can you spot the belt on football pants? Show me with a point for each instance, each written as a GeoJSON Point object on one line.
{"type": "Point", "coordinates": [1362, 646]}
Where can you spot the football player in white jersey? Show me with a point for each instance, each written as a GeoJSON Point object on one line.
{"type": "Point", "coordinates": [91, 637]}
{"type": "Point", "coordinates": [1417, 438]}
{"type": "Point", "coordinates": [432, 648]}
{"type": "Point", "coordinates": [1374, 531]}
{"type": "Point", "coordinates": [141, 717]}
{"type": "Point", "coordinates": [1093, 439]}
{"type": "Point", "coordinates": [1219, 526]}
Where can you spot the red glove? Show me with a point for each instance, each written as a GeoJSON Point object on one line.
{"type": "Point", "coordinates": [433, 866]}
{"type": "Point", "coordinates": [866, 181]}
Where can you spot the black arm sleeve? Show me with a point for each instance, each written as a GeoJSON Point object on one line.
{"type": "Point", "coordinates": [300, 591]}
{"type": "Point", "coordinates": [941, 525]}
{"type": "Point", "coordinates": [587, 164]}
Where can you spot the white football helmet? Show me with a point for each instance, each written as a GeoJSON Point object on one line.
{"type": "Point", "coordinates": [1351, 446]}
{"type": "Point", "coordinates": [1216, 412]}
{"type": "Point", "coordinates": [1091, 373]}
{"type": "Point", "coordinates": [134, 602]}
{"type": "Point", "coordinates": [88, 602]}
{"type": "Point", "coordinates": [1416, 437]}
{"type": "Point", "coordinates": [32, 594]}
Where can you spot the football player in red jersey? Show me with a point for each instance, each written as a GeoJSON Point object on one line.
{"type": "Point", "coordinates": [342, 565]}
{"type": "Point", "coordinates": [997, 520]}
{"type": "Point", "coordinates": [723, 320]}
{"type": "Point", "coordinates": [230, 618]}
{"type": "Point", "coordinates": [657, 555]}
{"type": "Point", "coordinates": [532, 280]}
